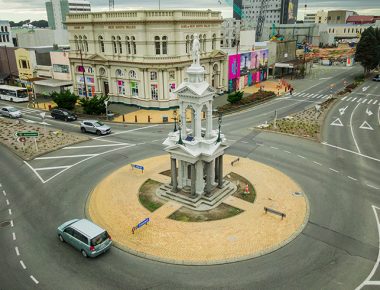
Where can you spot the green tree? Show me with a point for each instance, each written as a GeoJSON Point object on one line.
{"type": "Point", "coordinates": [94, 105]}
{"type": "Point", "coordinates": [235, 97]}
{"type": "Point", "coordinates": [367, 50]}
{"type": "Point", "coordinates": [65, 100]}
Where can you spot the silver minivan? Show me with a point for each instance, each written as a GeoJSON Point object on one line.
{"type": "Point", "coordinates": [88, 238]}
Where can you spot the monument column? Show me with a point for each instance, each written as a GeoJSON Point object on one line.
{"type": "Point", "coordinates": [183, 120]}
{"type": "Point", "coordinates": [180, 174]}
{"type": "Point", "coordinates": [174, 182]}
{"type": "Point", "coordinates": [209, 177]}
{"type": "Point", "coordinates": [220, 167]}
{"type": "Point", "coordinates": [198, 122]}
{"type": "Point", "coordinates": [216, 168]}
{"type": "Point", "coordinates": [193, 179]}
{"type": "Point", "coordinates": [193, 116]}
{"type": "Point", "coordinates": [209, 120]}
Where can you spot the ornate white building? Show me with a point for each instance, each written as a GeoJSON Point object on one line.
{"type": "Point", "coordinates": [140, 57]}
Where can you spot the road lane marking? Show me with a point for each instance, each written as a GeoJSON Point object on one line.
{"type": "Point", "coordinates": [125, 132]}
{"type": "Point", "coordinates": [94, 146]}
{"type": "Point", "coordinates": [366, 126]}
{"type": "Point", "coordinates": [22, 264]}
{"type": "Point", "coordinates": [287, 152]}
{"type": "Point", "coordinates": [344, 98]}
{"type": "Point", "coordinates": [300, 156]}
{"type": "Point", "coordinates": [11, 223]}
{"type": "Point", "coordinates": [275, 148]}
{"type": "Point", "coordinates": [7, 201]}
{"type": "Point", "coordinates": [350, 177]}
{"type": "Point", "coordinates": [34, 279]}
{"type": "Point", "coordinates": [14, 236]}
{"type": "Point", "coordinates": [4, 193]}
{"type": "Point", "coordinates": [353, 152]}
{"type": "Point", "coordinates": [372, 186]}
{"type": "Point", "coordinates": [374, 103]}
{"type": "Point", "coordinates": [349, 98]}
{"type": "Point", "coordinates": [315, 162]}
{"type": "Point", "coordinates": [368, 112]}
{"type": "Point", "coordinates": [370, 101]}
{"type": "Point", "coordinates": [35, 172]}
{"type": "Point", "coordinates": [352, 129]}
{"type": "Point", "coordinates": [353, 99]}
{"type": "Point", "coordinates": [367, 280]}
{"type": "Point", "coordinates": [9, 211]}
{"type": "Point", "coordinates": [245, 142]}
{"type": "Point", "coordinates": [365, 100]}
{"type": "Point", "coordinates": [52, 168]}
{"type": "Point", "coordinates": [17, 251]}
{"type": "Point", "coordinates": [359, 101]}
{"type": "Point", "coordinates": [332, 169]}
{"type": "Point", "coordinates": [66, 156]}
{"type": "Point", "coordinates": [337, 122]}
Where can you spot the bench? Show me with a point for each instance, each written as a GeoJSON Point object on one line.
{"type": "Point", "coordinates": [267, 209]}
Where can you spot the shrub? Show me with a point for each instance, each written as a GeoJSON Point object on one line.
{"type": "Point", "coordinates": [94, 105]}
{"type": "Point", "coordinates": [235, 97]}
{"type": "Point", "coordinates": [65, 100]}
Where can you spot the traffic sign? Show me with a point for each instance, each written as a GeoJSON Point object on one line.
{"type": "Point", "coordinates": [27, 134]}
{"type": "Point", "coordinates": [21, 139]}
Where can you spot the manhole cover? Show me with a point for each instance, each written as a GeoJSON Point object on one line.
{"type": "Point", "coordinates": [5, 224]}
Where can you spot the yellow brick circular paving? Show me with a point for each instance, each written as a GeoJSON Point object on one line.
{"type": "Point", "coordinates": [115, 206]}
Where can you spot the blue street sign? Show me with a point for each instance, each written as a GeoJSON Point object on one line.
{"type": "Point", "coordinates": [140, 167]}
{"type": "Point", "coordinates": [143, 223]}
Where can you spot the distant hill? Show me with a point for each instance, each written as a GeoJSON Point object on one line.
{"type": "Point", "coordinates": [37, 23]}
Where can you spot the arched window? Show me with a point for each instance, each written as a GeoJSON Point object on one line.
{"type": "Point", "coordinates": [85, 43]}
{"type": "Point", "coordinates": [80, 43]}
{"type": "Point", "coordinates": [204, 42]}
{"type": "Point", "coordinates": [213, 41]}
{"type": "Point", "coordinates": [132, 74]}
{"type": "Point", "coordinates": [101, 43]}
{"type": "Point", "coordinates": [164, 45]}
{"type": "Point", "coordinates": [157, 45]}
{"type": "Point", "coordinates": [133, 40]}
{"type": "Point", "coordinates": [114, 48]}
{"type": "Point", "coordinates": [119, 44]}
{"type": "Point", "coordinates": [76, 42]}
{"type": "Point", "coordinates": [128, 45]}
{"type": "Point", "coordinates": [102, 71]}
{"type": "Point", "coordinates": [187, 44]}
{"type": "Point", "coordinates": [119, 73]}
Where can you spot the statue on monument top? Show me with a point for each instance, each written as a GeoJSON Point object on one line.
{"type": "Point", "coordinates": [196, 48]}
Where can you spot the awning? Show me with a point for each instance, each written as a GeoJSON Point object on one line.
{"type": "Point", "coordinates": [53, 83]}
{"type": "Point", "coordinates": [281, 64]}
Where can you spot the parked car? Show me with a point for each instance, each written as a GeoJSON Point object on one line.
{"type": "Point", "coordinates": [10, 112]}
{"type": "Point", "coordinates": [63, 114]}
{"type": "Point", "coordinates": [94, 126]}
{"type": "Point", "coordinates": [85, 236]}
{"type": "Point", "coordinates": [376, 78]}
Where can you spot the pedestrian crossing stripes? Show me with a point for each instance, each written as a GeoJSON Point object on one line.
{"type": "Point", "coordinates": [367, 101]}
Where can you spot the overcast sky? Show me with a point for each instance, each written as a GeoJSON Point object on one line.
{"type": "Point", "coordinates": [17, 10]}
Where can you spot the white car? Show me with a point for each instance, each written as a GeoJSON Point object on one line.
{"type": "Point", "coordinates": [10, 112]}
{"type": "Point", "coordinates": [94, 126]}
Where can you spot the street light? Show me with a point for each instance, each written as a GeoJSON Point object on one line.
{"type": "Point", "coordinates": [175, 120]}
{"type": "Point", "coordinates": [219, 125]}
{"type": "Point", "coordinates": [180, 142]}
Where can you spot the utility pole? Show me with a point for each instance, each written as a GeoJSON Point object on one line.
{"type": "Point", "coordinates": [237, 68]}
{"type": "Point", "coordinates": [84, 78]}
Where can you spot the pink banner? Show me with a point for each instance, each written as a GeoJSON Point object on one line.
{"type": "Point", "coordinates": [234, 66]}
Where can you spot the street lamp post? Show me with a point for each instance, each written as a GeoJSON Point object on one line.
{"type": "Point", "coordinates": [175, 120]}
{"type": "Point", "coordinates": [180, 142]}
{"type": "Point", "coordinates": [219, 126]}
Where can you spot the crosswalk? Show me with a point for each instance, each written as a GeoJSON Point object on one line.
{"type": "Point", "coordinates": [361, 100]}
{"type": "Point", "coordinates": [35, 112]}
{"type": "Point", "coordinates": [369, 100]}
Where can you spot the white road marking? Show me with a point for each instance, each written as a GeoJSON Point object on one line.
{"type": "Point", "coordinates": [367, 280]}
{"type": "Point", "coordinates": [342, 110]}
{"type": "Point", "coordinates": [156, 140]}
{"type": "Point", "coordinates": [34, 279]}
{"type": "Point", "coordinates": [359, 101]}
{"type": "Point", "coordinates": [353, 152]}
{"type": "Point", "coordinates": [370, 101]}
{"type": "Point", "coordinates": [372, 186]}
{"type": "Point", "coordinates": [349, 98]}
{"type": "Point", "coordinates": [52, 168]}
{"type": "Point", "coordinates": [11, 223]}
{"type": "Point", "coordinates": [124, 132]}
{"type": "Point", "coordinates": [350, 177]}
{"type": "Point", "coordinates": [22, 264]}
{"type": "Point", "coordinates": [35, 172]}
{"type": "Point", "coordinates": [5, 194]}
{"type": "Point", "coordinates": [365, 100]}
{"type": "Point", "coordinates": [14, 236]}
{"type": "Point", "coordinates": [232, 140]}
{"type": "Point", "coordinates": [29, 121]}
{"type": "Point", "coordinates": [332, 169]}
{"type": "Point", "coordinates": [94, 146]}
{"type": "Point", "coordinates": [7, 201]}
{"type": "Point", "coordinates": [337, 122]}
{"type": "Point", "coordinates": [245, 142]}
{"type": "Point", "coordinates": [315, 162]}
{"type": "Point", "coordinates": [344, 98]}
{"type": "Point", "coordinates": [352, 130]}
{"type": "Point", "coordinates": [374, 103]}
{"type": "Point", "coordinates": [353, 99]}
{"type": "Point", "coordinates": [301, 95]}
{"type": "Point", "coordinates": [287, 152]}
{"type": "Point", "coordinates": [17, 251]}
{"type": "Point", "coordinates": [66, 156]}
{"type": "Point", "coordinates": [275, 148]}
{"type": "Point", "coordinates": [9, 211]}
{"type": "Point", "coordinates": [300, 156]}
{"type": "Point", "coordinates": [366, 126]}
{"type": "Point", "coordinates": [368, 112]}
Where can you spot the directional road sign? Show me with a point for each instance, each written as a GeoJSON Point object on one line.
{"type": "Point", "coordinates": [27, 134]}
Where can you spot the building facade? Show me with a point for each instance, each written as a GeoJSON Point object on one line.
{"type": "Point", "coordinates": [362, 19]}
{"type": "Point", "coordinates": [140, 57]}
{"type": "Point", "coordinates": [230, 33]}
{"type": "Point", "coordinates": [309, 18]}
{"type": "Point", "coordinates": [40, 37]}
{"type": "Point", "coordinates": [339, 16]}
{"type": "Point", "coordinates": [8, 66]}
{"type": "Point", "coordinates": [321, 17]}
{"type": "Point", "coordinates": [58, 9]}
{"type": "Point", "coordinates": [5, 34]}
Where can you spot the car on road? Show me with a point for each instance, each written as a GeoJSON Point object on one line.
{"type": "Point", "coordinates": [94, 126]}
{"type": "Point", "coordinates": [85, 236]}
{"type": "Point", "coordinates": [376, 78]}
{"type": "Point", "coordinates": [10, 112]}
{"type": "Point", "coordinates": [63, 114]}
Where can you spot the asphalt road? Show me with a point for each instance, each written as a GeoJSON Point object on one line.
{"type": "Point", "coordinates": [338, 249]}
